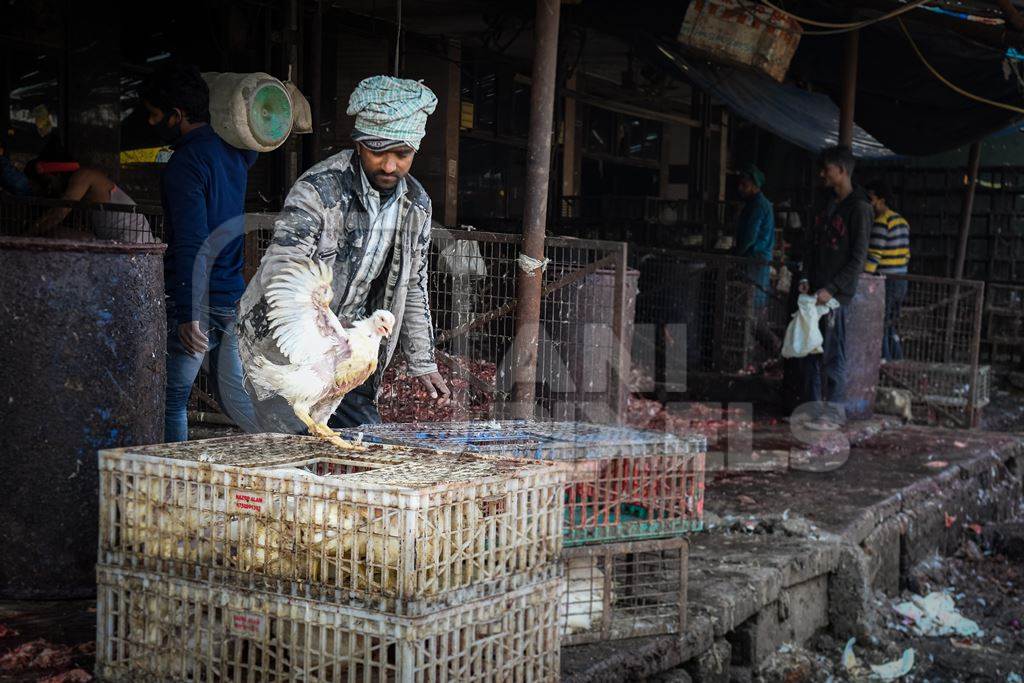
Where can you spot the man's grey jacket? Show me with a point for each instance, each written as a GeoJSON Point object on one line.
{"type": "Point", "coordinates": [325, 218]}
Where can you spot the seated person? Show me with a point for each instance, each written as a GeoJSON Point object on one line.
{"type": "Point", "coordinates": [68, 181]}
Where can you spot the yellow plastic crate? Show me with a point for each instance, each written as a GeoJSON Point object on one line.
{"type": "Point", "coordinates": [396, 530]}
{"type": "Point", "coordinates": [151, 628]}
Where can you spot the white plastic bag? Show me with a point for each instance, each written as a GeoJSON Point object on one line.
{"type": "Point", "coordinates": [462, 258]}
{"type": "Point", "coordinates": [803, 336]}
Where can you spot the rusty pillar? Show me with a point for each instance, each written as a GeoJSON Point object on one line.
{"type": "Point", "coordinates": [313, 81]}
{"type": "Point", "coordinates": [974, 159]}
{"type": "Point", "coordinates": [851, 52]}
{"type": "Point", "coordinates": [292, 46]}
{"type": "Point", "coordinates": [538, 172]}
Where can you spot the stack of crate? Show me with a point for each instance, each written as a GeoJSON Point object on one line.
{"type": "Point", "coordinates": [274, 558]}
{"type": "Point", "coordinates": [631, 498]}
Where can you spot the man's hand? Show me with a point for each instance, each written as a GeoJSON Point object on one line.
{"type": "Point", "coordinates": [804, 287]}
{"type": "Point", "coordinates": [823, 296]}
{"type": "Point", "coordinates": [437, 387]}
{"type": "Point", "coordinates": [192, 338]}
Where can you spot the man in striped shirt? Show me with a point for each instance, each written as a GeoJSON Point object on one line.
{"type": "Point", "coordinates": [888, 254]}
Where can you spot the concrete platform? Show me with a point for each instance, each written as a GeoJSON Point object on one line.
{"type": "Point", "coordinates": [789, 552]}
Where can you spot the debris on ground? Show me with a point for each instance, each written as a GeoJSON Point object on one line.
{"type": "Point", "coordinates": [406, 399]}
{"type": "Point", "coordinates": [36, 654]}
{"type": "Point", "coordinates": [715, 421]}
{"type": "Point", "coordinates": [889, 671]}
{"type": "Point", "coordinates": [7, 632]}
{"type": "Point", "coordinates": [71, 676]}
{"type": "Point", "coordinates": [61, 662]}
{"type": "Point", "coordinates": [935, 614]}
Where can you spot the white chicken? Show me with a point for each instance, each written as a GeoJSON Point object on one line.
{"type": "Point", "coordinates": [583, 606]}
{"type": "Point", "coordinates": [326, 360]}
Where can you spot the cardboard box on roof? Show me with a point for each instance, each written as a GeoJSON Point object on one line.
{"type": "Point", "coordinates": [741, 34]}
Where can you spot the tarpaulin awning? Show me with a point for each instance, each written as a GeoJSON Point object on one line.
{"type": "Point", "coordinates": [901, 107]}
{"type": "Point", "coordinates": [808, 120]}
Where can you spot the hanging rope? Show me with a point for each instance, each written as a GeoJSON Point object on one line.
{"type": "Point", "coordinates": [398, 35]}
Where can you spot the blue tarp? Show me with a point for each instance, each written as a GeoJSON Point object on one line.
{"type": "Point", "coordinates": [808, 120]}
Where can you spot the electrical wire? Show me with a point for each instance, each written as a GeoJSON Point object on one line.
{"type": "Point", "coordinates": [846, 28]}
{"type": "Point", "coordinates": [952, 86]}
{"type": "Point", "coordinates": [850, 25]}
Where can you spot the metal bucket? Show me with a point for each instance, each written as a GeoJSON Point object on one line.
{"type": "Point", "coordinates": [864, 326]}
{"type": "Point", "coordinates": [82, 369]}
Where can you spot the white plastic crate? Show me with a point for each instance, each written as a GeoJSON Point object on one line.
{"type": "Point", "coordinates": [624, 483]}
{"type": "Point", "coordinates": [396, 530]}
{"type": "Point", "coordinates": [624, 590]}
{"type": "Point", "coordinates": [151, 628]}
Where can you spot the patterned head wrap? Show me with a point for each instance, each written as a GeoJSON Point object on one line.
{"type": "Point", "coordinates": [390, 112]}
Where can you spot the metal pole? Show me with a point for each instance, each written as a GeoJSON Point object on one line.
{"type": "Point", "coordinates": [291, 52]}
{"type": "Point", "coordinates": [530, 280]}
{"type": "Point", "coordinates": [974, 159]}
{"type": "Point", "coordinates": [849, 93]}
{"type": "Point", "coordinates": [313, 82]}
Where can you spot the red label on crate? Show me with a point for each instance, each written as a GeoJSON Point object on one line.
{"type": "Point", "coordinates": [246, 501]}
{"type": "Point", "coordinates": [247, 624]}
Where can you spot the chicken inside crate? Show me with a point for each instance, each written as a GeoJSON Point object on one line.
{"type": "Point", "coordinates": [393, 529]}
{"type": "Point", "coordinates": [623, 483]}
{"type": "Point", "coordinates": [938, 389]}
{"type": "Point", "coordinates": [150, 627]}
{"type": "Point", "coordinates": [624, 590]}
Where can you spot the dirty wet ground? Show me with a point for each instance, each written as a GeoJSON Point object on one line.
{"type": "Point", "coordinates": [987, 586]}
{"type": "Point", "coordinates": [773, 538]}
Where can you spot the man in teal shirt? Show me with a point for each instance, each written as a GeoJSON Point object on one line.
{"type": "Point", "coordinates": [755, 231]}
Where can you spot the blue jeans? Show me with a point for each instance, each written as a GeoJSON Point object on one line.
{"type": "Point", "coordinates": [831, 363]}
{"type": "Point", "coordinates": [225, 373]}
{"type": "Point", "coordinates": [760, 274]}
{"type": "Point", "coordinates": [895, 293]}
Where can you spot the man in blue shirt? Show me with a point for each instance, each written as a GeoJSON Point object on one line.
{"type": "Point", "coordinates": [203, 196]}
{"type": "Point", "coordinates": [755, 231]}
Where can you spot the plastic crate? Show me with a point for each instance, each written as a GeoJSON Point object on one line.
{"type": "Point", "coordinates": [938, 384]}
{"type": "Point", "coordinates": [396, 530]}
{"type": "Point", "coordinates": [624, 590]}
{"type": "Point", "coordinates": [624, 483]}
{"type": "Point", "coordinates": [152, 628]}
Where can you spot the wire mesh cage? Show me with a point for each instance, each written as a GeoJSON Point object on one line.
{"type": "Point", "coordinates": [392, 529]}
{"type": "Point", "coordinates": [584, 338]}
{"type": "Point", "coordinates": [947, 385]}
{"type": "Point", "coordinates": [939, 329]}
{"type": "Point", "coordinates": [1004, 324]}
{"type": "Point", "coordinates": [624, 590]}
{"type": "Point", "coordinates": [624, 483]}
{"type": "Point", "coordinates": [154, 628]}
{"type": "Point", "coordinates": [702, 313]}
{"type": "Point", "coordinates": [58, 218]}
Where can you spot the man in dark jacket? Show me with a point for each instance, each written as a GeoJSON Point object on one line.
{"type": "Point", "coordinates": [203, 195]}
{"type": "Point", "coordinates": [833, 259]}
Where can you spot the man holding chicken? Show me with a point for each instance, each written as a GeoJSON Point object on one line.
{"type": "Point", "coordinates": [361, 214]}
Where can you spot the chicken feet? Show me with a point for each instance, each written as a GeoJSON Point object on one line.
{"type": "Point", "coordinates": [324, 432]}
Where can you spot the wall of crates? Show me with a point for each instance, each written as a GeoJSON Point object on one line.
{"type": "Point", "coordinates": [276, 557]}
